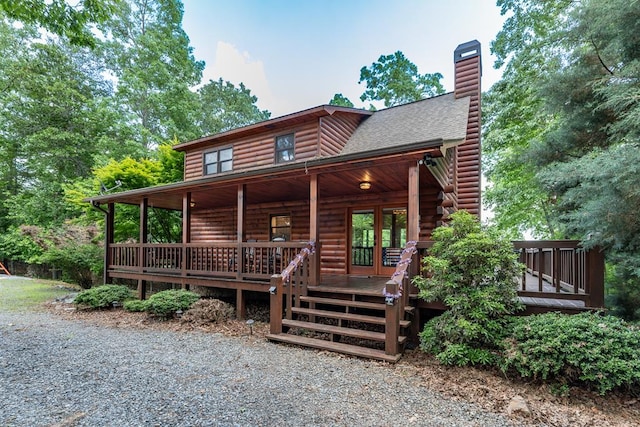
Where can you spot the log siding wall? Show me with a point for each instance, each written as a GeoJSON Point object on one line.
{"type": "Point", "coordinates": [335, 132]}
{"type": "Point", "coordinates": [257, 151]}
{"type": "Point", "coordinates": [324, 136]}
{"type": "Point", "coordinates": [219, 225]}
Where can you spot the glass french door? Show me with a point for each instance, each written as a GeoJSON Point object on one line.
{"type": "Point", "coordinates": [378, 236]}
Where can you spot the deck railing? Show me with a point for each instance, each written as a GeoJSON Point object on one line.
{"type": "Point", "coordinates": [562, 269]}
{"type": "Point", "coordinates": [290, 285]}
{"type": "Point", "coordinates": [244, 260]}
{"type": "Point", "coordinates": [556, 269]}
{"type": "Point", "coordinates": [396, 292]}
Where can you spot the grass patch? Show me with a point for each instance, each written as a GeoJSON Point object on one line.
{"type": "Point", "coordinates": [19, 294]}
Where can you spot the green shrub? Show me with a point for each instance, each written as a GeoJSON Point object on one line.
{"type": "Point", "coordinates": [471, 270]}
{"type": "Point", "coordinates": [103, 296]}
{"type": "Point", "coordinates": [166, 303]}
{"type": "Point", "coordinates": [135, 305]}
{"type": "Point", "coordinates": [601, 351]}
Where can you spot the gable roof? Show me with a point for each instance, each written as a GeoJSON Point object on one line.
{"type": "Point", "coordinates": [442, 117]}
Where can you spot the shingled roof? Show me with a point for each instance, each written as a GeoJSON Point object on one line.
{"type": "Point", "coordinates": [442, 117]}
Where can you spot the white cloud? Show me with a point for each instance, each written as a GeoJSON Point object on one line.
{"type": "Point", "coordinates": [237, 67]}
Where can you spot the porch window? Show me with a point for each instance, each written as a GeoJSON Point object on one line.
{"type": "Point", "coordinates": [280, 227]}
{"type": "Point", "coordinates": [285, 147]}
{"type": "Point", "coordinates": [218, 161]}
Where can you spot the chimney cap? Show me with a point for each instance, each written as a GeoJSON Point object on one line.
{"type": "Point", "coordinates": [466, 50]}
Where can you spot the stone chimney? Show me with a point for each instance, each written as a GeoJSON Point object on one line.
{"type": "Point", "coordinates": [467, 170]}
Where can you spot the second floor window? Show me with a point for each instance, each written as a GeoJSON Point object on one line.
{"type": "Point", "coordinates": [284, 148]}
{"type": "Point", "coordinates": [218, 161]}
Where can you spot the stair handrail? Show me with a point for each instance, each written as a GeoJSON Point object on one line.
{"type": "Point", "coordinates": [305, 252]}
{"type": "Point", "coordinates": [400, 273]}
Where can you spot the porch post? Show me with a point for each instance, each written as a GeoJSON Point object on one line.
{"type": "Point", "coordinates": [186, 235]}
{"type": "Point", "coordinates": [392, 321]}
{"type": "Point", "coordinates": [314, 230]}
{"type": "Point", "coordinates": [413, 211]}
{"type": "Point", "coordinates": [144, 231]}
{"type": "Point", "coordinates": [241, 308]}
{"type": "Point", "coordinates": [108, 241]}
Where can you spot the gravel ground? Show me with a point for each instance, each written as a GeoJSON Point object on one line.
{"type": "Point", "coordinates": [68, 373]}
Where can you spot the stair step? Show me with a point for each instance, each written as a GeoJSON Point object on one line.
{"type": "Point", "coordinates": [337, 347]}
{"type": "Point", "coordinates": [346, 316]}
{"type": "Point", "coordinates": [344, 302]}
{"type": "Point", "coordinates": [339, 330]}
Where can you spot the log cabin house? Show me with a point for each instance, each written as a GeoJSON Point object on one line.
{"type": "Point", "coordinates": [325, 209]}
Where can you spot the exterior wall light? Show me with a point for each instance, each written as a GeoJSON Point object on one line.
{"type": "Point", "coordinates": [365, 185]}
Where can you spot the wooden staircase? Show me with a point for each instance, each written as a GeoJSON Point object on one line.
{"type": "Point", "coordinates": [351, 320]}
{"type": "Point", "coordinates": [344, 321]}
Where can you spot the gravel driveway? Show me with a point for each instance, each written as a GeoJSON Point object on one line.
{"type": "Point", "coordinates": [64, 373]}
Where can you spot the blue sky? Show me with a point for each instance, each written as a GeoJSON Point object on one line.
{"type": "Point", "coordinates": [297, 54]}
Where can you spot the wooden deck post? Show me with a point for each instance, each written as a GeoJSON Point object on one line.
{"type": "Point", "coordinates": [241, 306]}
{"type": "Point", "coordinates": [392, 321]}
{"type": "Point", "coordinates": [275, 304]}
{"type": "Point", "coordinates": [595, 277]}
{"type": "Point", "coordinates": [314, 231]}
{"type": "Point", "coordinates": [144, 232]}
{"type": "Point", "coordinates": [108, 241]}
{"type": "Point", "coordinates": [186, 236]}
{"type": "Point", "coordinates": [242, 211]}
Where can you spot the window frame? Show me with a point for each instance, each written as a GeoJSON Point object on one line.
{"type": "Point", "coordinates": [218, 162]}
{"type": "Point", "coordinates": [275, 227]}
{"type": "Point", "coordinates": [282, 150]}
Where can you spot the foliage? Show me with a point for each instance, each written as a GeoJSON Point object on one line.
{"type": "Point", "coordinates": [225, 107]}
{"type": "Point", "coordinates": [60, 17]}
{"type": "Point", "coordinates": [70, 248]}
{"type": "Point", "coordinates": [341, 100]}
{"type": "Point", "coordinates": [395, 80]}
{"type": "Point", "coordinates": [565, 120]}
{"type": "Point", "coordinates": [209, 311]}
{"type": "Point", "coordinates": [75, 118]}
{"type": "Point", "coordinates": [135, 305]}
{"type": "Point", "coordinates": [103, 296]}
{"type": "Point", "coordinates": [601, 351]}
{"type": "Point", "coordinates": [472, 271]}
{"type": "Point", "coordinates": [148, 52]}
{"type": "Point", "coordinates": [623, 279]}
{"type": "Point", "coordinates": [166, 303]}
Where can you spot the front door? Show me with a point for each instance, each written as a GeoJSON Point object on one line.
{"type": "Point", "coordinates": [378, 236]}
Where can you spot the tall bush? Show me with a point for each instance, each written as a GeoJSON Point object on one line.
{"type": "Point", "coordinates": [473, 271]}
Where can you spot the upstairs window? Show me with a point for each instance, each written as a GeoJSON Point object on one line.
{"type": "Point", "coordinates": [218, 161]}
{"type": "Point", "coordinates": [285, 148]}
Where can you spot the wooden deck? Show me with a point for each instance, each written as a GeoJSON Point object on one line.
{"type": "Point", "coordinates": [374, 285]}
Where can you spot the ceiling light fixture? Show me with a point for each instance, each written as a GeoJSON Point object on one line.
{"type": "Point", "coordinates": [365, 185]}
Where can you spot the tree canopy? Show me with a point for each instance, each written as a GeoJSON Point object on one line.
{"type": "Point", "coordinates": [61, 18]}
{"type": "Point", "coordinates": [396, 80]}
{"type": "Point", "coordinates": [78, 112]}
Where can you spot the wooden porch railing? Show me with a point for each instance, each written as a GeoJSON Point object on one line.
{"type": "Point", "coordinates": [562, 269]}
{"type": "Point", "coordinates": [396, 294]}
{"type": "Point", "coordinates": [244, 260]}
{"type": "Point", "coordinates": [290, 285]}
{"type": "Point", "coordinates": [556, 269]}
